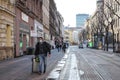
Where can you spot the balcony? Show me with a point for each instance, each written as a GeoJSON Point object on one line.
{"type": "Point", "coordinates": [20, 3]}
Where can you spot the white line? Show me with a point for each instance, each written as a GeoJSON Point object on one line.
{"type": "Point", "coordinates": [55, 72]}
{"type": "Point", "coordinates": [68, 50]}
{"type": "Point", "coordinates": [74, 74]}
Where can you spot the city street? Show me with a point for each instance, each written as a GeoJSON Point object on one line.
{"type": "Point", "coordinates": [20, 68]}
{"type": "Point", "coordinates": [91, 65]}
{"type": "Point", "coordinates": [88, 31]}
{"type": "Point", "coordinates": [81, 64]}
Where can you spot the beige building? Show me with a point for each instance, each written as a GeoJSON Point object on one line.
{"type": "Point", "coordinates": [113, 14]}
{"type": "Point", "coordinates": [73, 34]}
{"type": "Point", "coordinates": [91, 26]}
{"type": "Point", "coordinates": [94, 27]}
{"type": "Point", "coordinates": [45, 9]}
{"type": "Point", "coordinates": [68, 36]}
{"type": "Point", "coordinates": [7, 15]}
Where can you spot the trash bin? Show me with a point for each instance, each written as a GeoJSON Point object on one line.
{"type": "Point", "coordinates": [30, 51]}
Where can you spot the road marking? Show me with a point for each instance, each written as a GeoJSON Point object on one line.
{"type": "Point", "coordinates": [68, 50]}
{"type": "Point", "coordinates": [74, 74]}
{"type": "Point", "coordinates": [81, 72]}
{"type": "Point", "coordinates": [55, 73]}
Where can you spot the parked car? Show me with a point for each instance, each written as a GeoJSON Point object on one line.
{"type": "Point", "coordinates": [80, 45]}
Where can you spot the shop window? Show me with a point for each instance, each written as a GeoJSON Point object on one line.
{"type": "Point", "coordinates": [21, 42]}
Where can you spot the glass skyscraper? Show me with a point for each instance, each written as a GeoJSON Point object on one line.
{"type": "Point", "coordinates": [80, 19]}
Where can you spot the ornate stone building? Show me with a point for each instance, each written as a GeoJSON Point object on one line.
{"type": "Point", "coordinates": [45, 15]}
{"type": "Point", "coordinates": [52, 9]}
{"type": "Point", "coordinates": [55, 22]}
{"type": "Point", "coordinates": [28, 24]}
{"type": "Point", "coordinates": [112, 11]}
{"type": "Point", "coordinates": [7, 15]}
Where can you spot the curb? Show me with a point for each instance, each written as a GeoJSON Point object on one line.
{"type": "Point", "coordinates": [55, 73]}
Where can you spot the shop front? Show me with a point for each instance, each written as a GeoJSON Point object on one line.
{"type": "Point", "coordinates": [36, 32]}
{"type": "Point", "coordinates": [24, 37]}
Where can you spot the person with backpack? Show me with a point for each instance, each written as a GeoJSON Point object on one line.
{"type": "Point", "coordinates": [64, 47]}
{"type": "Point", "coordinates": [42, 50]}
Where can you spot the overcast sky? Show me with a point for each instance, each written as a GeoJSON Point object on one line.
{"type": "Point", "coordinates": [69, 9]}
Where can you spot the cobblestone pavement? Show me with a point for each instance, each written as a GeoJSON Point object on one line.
{"type": "Point", "coordinates": [85, 64]}
{"type": "Point", "coordinates": [98, 65]}
{"type": "Point", "coordinates": [92, 65]}
{"type": "Point", "coordinates": [20, 68]}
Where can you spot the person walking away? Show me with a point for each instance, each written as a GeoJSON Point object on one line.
{"type": "Point", "coordinates": [64, 47]}
{"type": "Point", "coordinates": [58, 46]}
{"type": "Point", "coordinates": [43, 49]}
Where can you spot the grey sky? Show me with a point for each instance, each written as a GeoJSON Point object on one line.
{"type": "Point", "coordinates": [69, 9]}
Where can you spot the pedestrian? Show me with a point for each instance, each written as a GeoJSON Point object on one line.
{"type": "Point", "coordinates": [58, 46]}
{"type": "Point", "coordinates": [43, 49]}
{"type": "Point", "coordinates": [64, 47]}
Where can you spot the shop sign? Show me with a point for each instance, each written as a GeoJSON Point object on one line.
{"type": "Point", "coordinates": [25, 17]}
{"type": "Point", "coordinates": [33, 33]}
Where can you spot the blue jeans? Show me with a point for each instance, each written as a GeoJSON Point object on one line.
{"type": "Point", "coordinates": [43, 63]}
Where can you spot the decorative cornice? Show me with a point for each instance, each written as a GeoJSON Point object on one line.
{"type": "Point", "coordinates": [7, 10]}
{"type": "Point", "coordinates": [21, 5]}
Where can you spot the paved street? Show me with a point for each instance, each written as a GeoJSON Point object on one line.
{"type": "Point", "coordinates": [20, 68]}
{"type": "Point", "coordinates": [80, 64]}
{"type": "Point", "coordinates": [91, 65]}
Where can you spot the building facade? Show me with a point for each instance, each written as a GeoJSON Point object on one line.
{"type": "Point", "coordinates": [7, 16]}
{"type": "Point", "coordinates": [28, 21]}
{"type": "Point", "coordinates": [80, 19]}
{"type": "Point", "coordinates": [59, 24]}
{"type": "Point", "coordinates": [73, 34]}
{"type": "Point", "coordinates": [55, 23]}
{"type": "Point", "coordinates": [23, 21]}
{"type": "Point", "coordinates": [112, 9]}
{"type": "Point", "coordinates": [66, 36]}
{"type": "Point", "coordinates": [45, 14]}
{"type": "Point", "coordinates": [106, 22]}
{"type": "Point", "coordinates": [95, 28]}
{"type": "Point", "coordinates": [52, 9]}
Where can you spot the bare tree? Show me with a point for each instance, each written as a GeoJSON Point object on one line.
{"type": "Point", "coordinates": [117, 2]}
{"type": "Point", "coordinates": [96, 32]}
{"type": "Point", "coordinates": [105, 23]}
{"type": "Point", "coordinates": [112, 13]}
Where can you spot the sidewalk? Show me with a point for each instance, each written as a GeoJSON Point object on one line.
{"type": "Point", "coordinates": [21, 68]}
{"type": "Point", "coordinates": [110, 51]}
{"type": "Point", "coordinates": [66, 69]}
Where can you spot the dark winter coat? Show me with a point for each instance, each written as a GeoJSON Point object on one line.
{"type": "Point", "coordinates": [42, 48]}
{"type": "Point", "coordinates": [64, 46]}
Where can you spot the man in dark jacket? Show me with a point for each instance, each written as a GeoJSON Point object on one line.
{"type": "Point", "coordinates": [43, 49]}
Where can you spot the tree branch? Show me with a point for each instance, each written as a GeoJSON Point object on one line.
{"type": "Point", "coordinates": [117, 2]}
{"type": "Point", "coordinates": [112, 10]}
